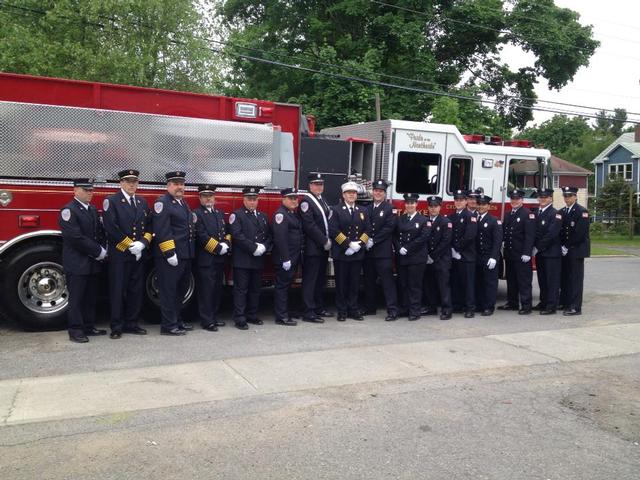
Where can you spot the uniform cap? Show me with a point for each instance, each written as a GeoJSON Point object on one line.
{"type": "Point", "coordinates": [477, 193]}
{"type": "Point", "coordinates": [569, 190]}
{"type": "Point", "coordinates": [483, 199]}
{"type": "Point", "coordinates": [411, 197]}
{"type": "Point", "coordinates": [434, 200]}
{"type": "Point", "coordinates": [459, 194]}
{"type": "Point", "coordinates": [516, 193]}
{"type": "Point", "coordinates": [130, 173]}
{"type": "Point", "coordinates": [85, 183]}
{"type": "Point", "coordinates": [250, 191]}
{"type": "Point", "coordinates": [544, 192]}
{"type": "Point", "coordinates": [349, 187]}
{"type": "Point", "coordinates": [289, 192]}
{"type": "Point", "coordinates": [380, 184]}
{"type": "Point", "coordinates": [316, 178]}
{"type": "Point", "coordinates": [206, 188]}
{"type": "Point", "coordinates": [173, 176]}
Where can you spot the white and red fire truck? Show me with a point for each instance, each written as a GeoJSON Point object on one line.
{"type": "Point", "coordinates": [53, 130]}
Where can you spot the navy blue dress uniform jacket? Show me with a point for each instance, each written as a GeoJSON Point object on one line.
{"type": "Point", "coordinates": [519, 230]}
{"type": "Point", "coordinates": [173, 228]}
{"type": "Point", "coordinates": [124, 224]}
{"type": "Point", "coordinates": [489, 239]}
{"type": "Point", "coordinates": [439, 244]}
{"type": "Point", "coordinates": [548, 227]}
{"type": "Point", "coordinates": [247, 230]}
{"type": "Point", "coordinates": [82, 238]}
{"type": "Point", "coordinates": [463, 238]}
{"type": "Point", "coordinates": [412, 234]}
{"type": "Point", "coordinates": [383, 224]}
{"type": "Point", "coordinates": [211, 231]}
{"type": "Point", "coordinates": [314, 227]}
{"type": "Point", "coordinates": [345, 228]}
{"type": "Point", "coordinates": [575, 231]}
{"type": "Point", "coordinates": [287, 236]}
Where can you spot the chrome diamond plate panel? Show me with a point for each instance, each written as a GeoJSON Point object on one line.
{"type": "Point", "coordinates": [53, 142]}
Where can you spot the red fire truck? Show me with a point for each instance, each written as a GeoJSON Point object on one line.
{"type": "Point", "coordinates": [53, 130]}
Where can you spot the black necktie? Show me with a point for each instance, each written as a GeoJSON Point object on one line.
{"type": "Point", "coordinates": [132, 202]}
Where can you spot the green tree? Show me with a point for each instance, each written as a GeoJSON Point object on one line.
{"type": "Point", "coordinates": [153, 43]}
{"type": "Point", "coordinates": [611, 123]}
{"type": "Point", "coordinates": [439, 43]}
{"type": "Point", "coordinates": [613, 200]}
{"type": "Point", "coordinates": [559, 133]}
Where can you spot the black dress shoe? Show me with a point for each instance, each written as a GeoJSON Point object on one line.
{"type": "Point", "coordinates": [134, 330]}
{"type": "Point", "coordinates": [457, 310]}
{"type": "Point", "coordinates": [186, 327]}
{"type": "Point", "coordinates": [341, 317]}
{"type": "Point", "coordinates": [507, 306]}
{"type": "Point", "coordinates": [174, 332]}
{"type": "Point", "coordinates": [324, 313]}
{"type": "Point", "coordinates": [487, 313]}
{"type": "Point", "coordinates": [413, 318]}
{"type": "Point", "coordinates": [524, 311]}
{"type": "Point", "coordinates": [220, 323]}
{"type": "Point", "coordinates": [428, 311]}
{"type": "Point", "coordinates": [212, 327]}
{"type": "Point", "coordinates": [356, 316]}
{"type": "Point", "coordinates": [547, 312]}
{"type": "Point", "coordinates": [445, 316]}
{"type": "Point", "coordinates": [403, 313]}
{"type": "Point", "coordinates": [369, 311]}
{"type": "Point", "coordinates": [242, 326]}
{"type": "Point", "coordinates": [255, 321]}
{"type": "Point", "coordinates": [571, 311]}
{"type": "Point", "coordinates": [390, 318]}
{"type": "Point", "coordinates": [78, 338]}
{"type": "Point", "coordinates": [315, 319]}
{"type": "Point", "coordinates": [115, 335]}
{"type": "Point", "coordinates": [94, 332]}
{"type": "Point", "coordinates": [539, 306]}
{"type": "Point", "coordinates": [469, 314]}
{"type": "Point", "coordinates": [288, 322]}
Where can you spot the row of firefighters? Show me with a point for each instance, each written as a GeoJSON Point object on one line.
{"type": "Point", "coordinates": [446, 262]}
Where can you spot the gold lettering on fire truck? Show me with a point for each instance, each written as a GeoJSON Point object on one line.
{"type": "Point", "coordinates": [419, 141]}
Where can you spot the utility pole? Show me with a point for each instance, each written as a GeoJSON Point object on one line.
{"type": "Point", "coordinates": [378, 115]}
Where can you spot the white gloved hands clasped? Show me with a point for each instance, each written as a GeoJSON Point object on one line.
{"type": "Point", "coordinates": [224, 248]}
{"type": "Point", "coordinates": [286, 266]}
{"type": "Point", "coordinates": [429, 260]}
{"type": "Point", "coordinates": [260, 249]}
{"type": "Point", "coordinates": [455, 254]}
{"type": "Point", "coordinates": [491, 264]}
{"type": "Point", "coordinates": [173, 260]}
{"type": "Point", "coordinates": [103, 254]}
{"type": "Point", "coordinates": [565, 250]}
{"type": "Point", "coordinates": [525, 258]}
{"type": "Point", "coordinates": [136, 247]}
{"type": "Point", "coordinates": [349, 251]}
{"type": "Point", "coordinates": [355, 246]}
{"type": "Point", "coordinates": [369, 244]}
{"type": "Point", "coordinates": [403, 251]}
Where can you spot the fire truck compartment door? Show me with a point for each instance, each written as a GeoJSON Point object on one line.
{"type": "Point", "coordinates": [485, 183]}
{"type": "Point", "coordinates": [283, 165]}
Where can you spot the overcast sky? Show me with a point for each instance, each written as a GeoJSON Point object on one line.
{"type": "Point", "coordinates": [612, 79]}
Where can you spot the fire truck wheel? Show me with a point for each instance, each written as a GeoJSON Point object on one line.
{"type": "Point", "coordinates": [34, 292]}
{"type": "Point", "coordinates": [152, 298]}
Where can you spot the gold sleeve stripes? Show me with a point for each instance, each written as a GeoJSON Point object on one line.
{"type": "Point", "coordinates": [124, 244]}
{"type": "Point", "coordinates": [364, 238]}
{"type": "Point", "coordinates": [340, 238]}
{"type": "Point", "coordinates": [148, 237]}
{"type": "Point", "coordinates": [211, 245]}
{"type": "Point", "coordinates": [167, 245]}
{"type": "Point", "coordinates": [227, 237]}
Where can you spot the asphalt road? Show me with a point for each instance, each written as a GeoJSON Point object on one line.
{"type": "Point", "coordinates": [526, 420]}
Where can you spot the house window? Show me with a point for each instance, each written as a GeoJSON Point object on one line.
{"type": "Point", "coordinates": [621, 170]}
{"type": "Point", "coordinates": [556, 181]}
{"type": "Point", "coordinates": [417, 173]}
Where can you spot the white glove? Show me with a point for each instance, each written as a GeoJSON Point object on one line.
{"type": "Point", "coordinates": [355, 246]}
{"type": "Point", "coordinates": [565, 250]}
{"type": "Point", "coordinates": [534, 251]}
{"type": "Point", "coordinates": [286, 265]}
{"type": "Point", "coordinates": [491, 263]}
{"type": "Point", "coordinates": [260, 249]}
{"type": "Point", "coordinates": [224, 248]}
{"type": "Point", "coordinates": [136, 247]}
{"type": "Point", "coordinates": [327, 246]}
{"type": "Point", "coordinates": [348, 252]}
{"type": "Point", "coordinates": [525, 258]}
{"type": "Point", "coordinates": [429, 260]}
{"type": "Point", "coordinates": [403, 251]}
{"type": "Point", "coordinates": [369, 244]}
{"type": "Point", "coordinates": [173, 260]}
{"type": "Point", "coordinates": [138, 256]}
{"type": "Point", "coordinates": [455, 254]}
{"type": "Point", "coordinates": [103, 254]}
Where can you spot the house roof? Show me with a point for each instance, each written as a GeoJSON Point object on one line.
{"type": "Point", "coordinates": [633, 147]}
{"type": "Point", "coordinates": [624, 139]}
{"type": "Point", "coordinates": [561, 166]}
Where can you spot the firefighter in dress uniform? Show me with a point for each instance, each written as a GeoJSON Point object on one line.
{"type": "Point", "coordinates": [437, 290]}
{"type": "Point", "coordinates": [173, 225]}
{"type": "Point", "coordinates": [463, 252]}
{"type": "Point", "coordinates": [287, 252]}
{"type": "Point", "coordinates": [349, 228]}
{"type": "Point", "coordinates": [488, 244]}
{"type": "Point", "coordinates": [410, 242]}
{"type": "Point", "coordinates": [576, 246]}
{"type": "Point", "coordinates": [519, 231]}
{"type": "Point", "coordinates": [251, 239]}
{"type": "Point", "coordinates": [128, 229]}
{"type": "Point", "coordinates": [82, 254]}
{"type": "Point", "coordinates": [547, 250]}
{"type": "Point", "coordinates": [213, 244]}
{"type": "Point", "coordinates": [472, 201]}
{"type": "Point", "coordinates": [314, 212]}
{"type": "Point", "coordinates": [379, 255]}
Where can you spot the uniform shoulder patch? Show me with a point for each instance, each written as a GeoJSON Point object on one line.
{"type": "Point", "coordinates": [474, 219]}
{"type": "Point", "coordinates": [428, 224]}
{"type": "Point", "coordinates": [532, 216]}
{"type": "Point", "coordinates": [157, 207]}
{"type": "Point", "coordinates": [194, 217]}
{"type": "Point", "coordinates": [105, 204]}
{"type": "Point", "coordinates": [449, 225]}
{"type": "Point", "coordinates": [65, 214]}
{"type": "Point", "coordinates": [232, 218]}
{"type": "Point", "coordinates": [304, 206]}
{"type": "Point", "coordinates": [585, 214]}
{"type": "Point", "coordinates": [279, 218]}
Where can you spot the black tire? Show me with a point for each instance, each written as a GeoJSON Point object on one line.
{"type": "Point", "coordinates": [151, 310]}
{"type": "Point", "coordinates": [34, 292]}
